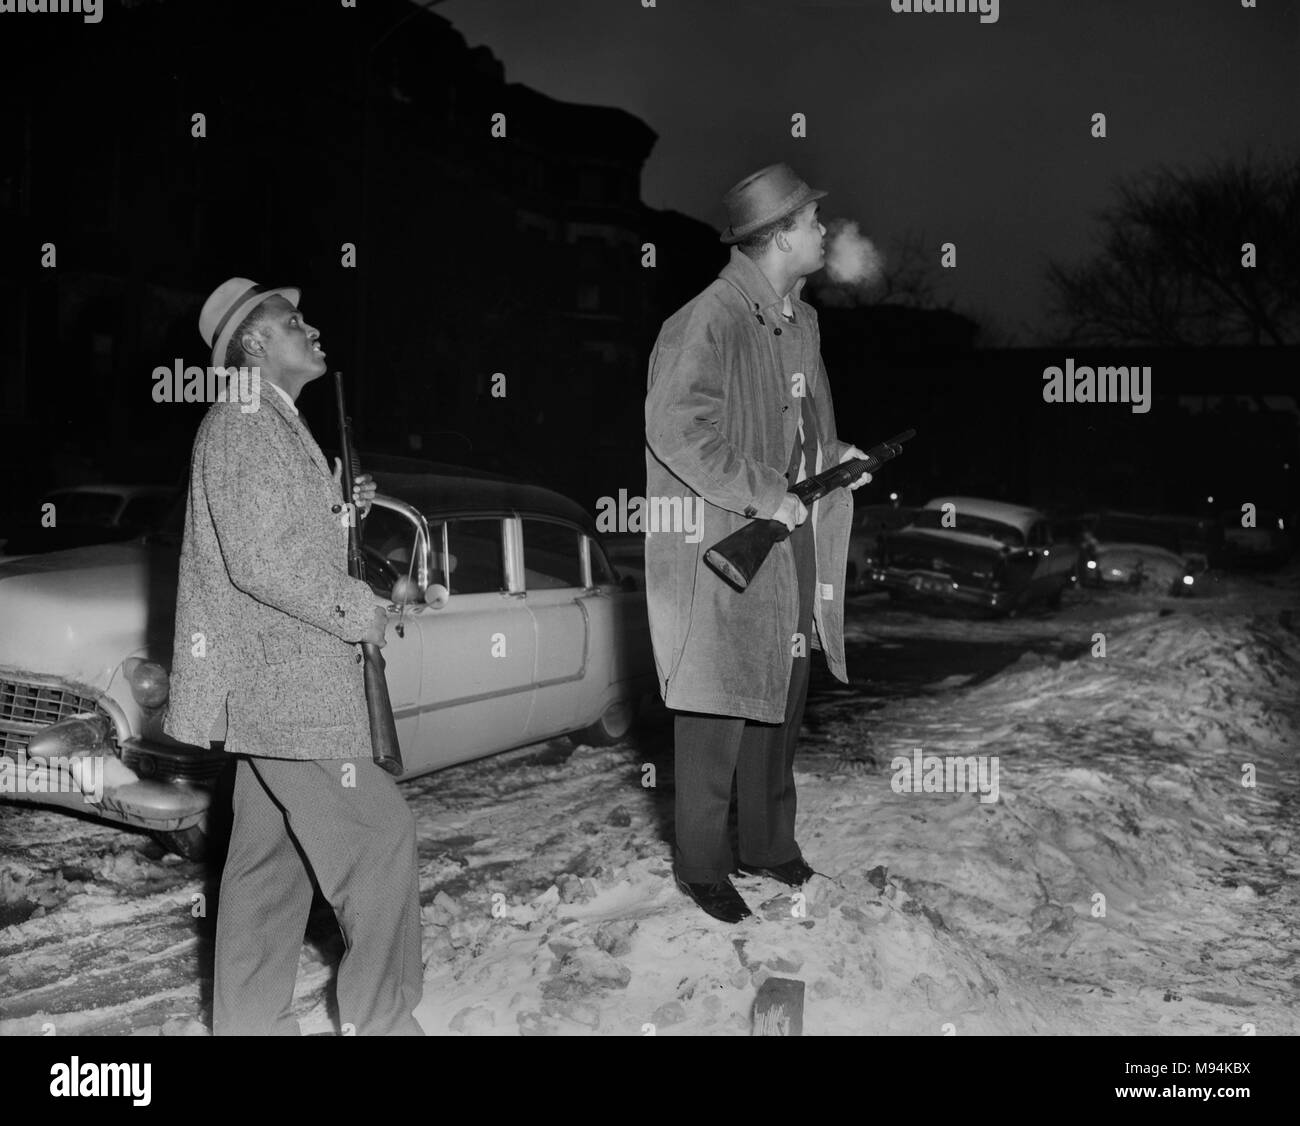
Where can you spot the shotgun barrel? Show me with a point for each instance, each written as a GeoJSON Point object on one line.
{"type": "Point", "coordinates": [379, 708]}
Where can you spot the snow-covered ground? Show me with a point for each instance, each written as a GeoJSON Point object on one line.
{"type": "Point", "coordinates": [1125, 881]}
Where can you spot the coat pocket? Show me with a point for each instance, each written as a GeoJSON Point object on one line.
{"type": "Point", "coordinates": [278, 647]}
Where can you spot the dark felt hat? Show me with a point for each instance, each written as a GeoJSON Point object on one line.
{"type": "Point", "coordinates": [763, 197]}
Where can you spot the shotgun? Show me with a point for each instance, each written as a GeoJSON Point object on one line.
{"type": "Point", "coordinates": [738, 557]}
{"type": "Point", "coordinates": [379, 708]}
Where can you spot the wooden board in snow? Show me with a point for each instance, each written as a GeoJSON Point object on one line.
{"type": "Point", "coordinates": [778, 1008]}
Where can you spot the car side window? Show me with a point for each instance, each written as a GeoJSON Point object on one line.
{"type": "Point", "coordinates": [388, 542]}
{"type": "Point", "coordinates": [468, 555]}
{"type": "Point", "coordinates": [602, 574]}
{"type": "Point", "coordinates": [552, 555]}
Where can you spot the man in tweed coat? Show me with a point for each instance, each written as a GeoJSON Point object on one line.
{"type": "Point", "coordinates": [266, 660]}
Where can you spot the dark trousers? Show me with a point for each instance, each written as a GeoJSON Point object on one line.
{"type": "Point", "coordinates": [359, 841]}
{"type": "Point", "coordinates": [711, 750]}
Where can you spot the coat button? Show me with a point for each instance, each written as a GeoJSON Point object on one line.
{"type": "Point", "coordinates": [336, 508]}
{"type": "Point", "coordinates": [776, 332]}
{"type": "Point", "coordinates": [358, 658]}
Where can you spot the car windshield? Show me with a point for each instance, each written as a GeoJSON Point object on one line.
{"type": "Point", "coordinates": [932, 519]}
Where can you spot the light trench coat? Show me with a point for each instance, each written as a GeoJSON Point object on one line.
{"type": "Point", "coordinates": [722, 413]}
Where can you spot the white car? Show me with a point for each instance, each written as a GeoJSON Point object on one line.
{"type": "Point", "coordinates": [519, 631]}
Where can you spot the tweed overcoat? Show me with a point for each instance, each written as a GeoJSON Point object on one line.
{"type": "Point", "coordinates": [266, 612]}
{"type": "Point", "coordinates": [722, 412]}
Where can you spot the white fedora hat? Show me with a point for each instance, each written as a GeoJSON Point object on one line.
{"type": "Point", "coordinates": [225, 310]}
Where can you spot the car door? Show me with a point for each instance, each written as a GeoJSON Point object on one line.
{"type": "Point", "coordinates": [618, 639]}
{"type": "Point", "coordinates": [553, 578]}
{"type": "Point", "coordinates": [479, 648]}
{"type": "Point", "coordinates": [392, 543]}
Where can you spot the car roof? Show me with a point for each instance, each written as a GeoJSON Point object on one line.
{"type": "Point", "coordinates": [438, 496]}
{"type": "Point", "coordinates": [1017, 515]}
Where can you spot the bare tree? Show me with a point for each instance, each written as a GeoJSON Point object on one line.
{"type": "Point", "coordinates": [1172, 269]}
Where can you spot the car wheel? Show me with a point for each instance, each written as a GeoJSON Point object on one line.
{"type": "Point", "coordinates": [612, 727]}
{"type": "Point", "coordinates": [191, 843]}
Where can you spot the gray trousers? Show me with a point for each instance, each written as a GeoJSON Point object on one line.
{"type": "Point", "coordinates": [712, 750]}
{"type": "Point", "coordinates": [359, 841]}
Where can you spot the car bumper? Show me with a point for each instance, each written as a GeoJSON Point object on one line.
{"type": "Point", "coordinates": [77, 763]}
{"type": "Point", "coordinates": [925, 584]}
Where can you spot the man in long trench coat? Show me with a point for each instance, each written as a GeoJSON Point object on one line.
{"type": "Point", "coordinates": [738, 410]}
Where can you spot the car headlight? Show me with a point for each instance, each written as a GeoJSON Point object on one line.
{"type": "Point", "coordinates": [1092, 564]}
{"type": "Point", "coordinates": [1188, 580]}
{"type": "Point", "coordinates": [149, 681]}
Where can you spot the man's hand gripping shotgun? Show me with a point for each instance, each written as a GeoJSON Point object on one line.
{"type": "Point", "coordinates": [379, 708]}
{"type": "Point", "coordinates": [738, 557]}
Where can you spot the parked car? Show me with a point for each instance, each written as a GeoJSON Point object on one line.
{"type": "Point", "coordinates": [1161, 553]}
{"type": "Point", "coordinates": [1268, 544]}
{"type": "Point", "coordinates": [980, 553]}
{"type": "Point", "coordinates": [866, 540]}
{"type": "Point", "coordinates": [89, 514]}
{"type": "Point", "coordinates": [519, 632]}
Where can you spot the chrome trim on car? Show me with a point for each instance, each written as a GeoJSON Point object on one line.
{"type": "Point", "coordinates": [15, 687]}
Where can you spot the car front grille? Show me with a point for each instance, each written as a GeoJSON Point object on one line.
{"type": "Point", "coordinates": [26, 707]}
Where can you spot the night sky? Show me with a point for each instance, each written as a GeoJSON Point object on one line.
{"type": "Point", "coordinates": [935, 124]}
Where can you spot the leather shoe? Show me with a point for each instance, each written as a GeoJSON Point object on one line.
{"type": "Point", "coordinates": [720, 900]}
{"type": "Point", "coordinates": [793, 872]}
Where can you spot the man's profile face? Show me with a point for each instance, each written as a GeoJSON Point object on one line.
{"type": "Point", "coordinates": [808, 240]}
{"type": "Point", "coordinates": [289, 343]}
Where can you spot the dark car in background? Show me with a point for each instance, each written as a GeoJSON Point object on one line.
{"type": "Point", "coordinates": [1269, 542]}
{"type": "Point", "coordinates": [984, 554]}
{"type": "Point", "coordinates": [1158, 552]}
{"type": "Point", "coordinates": [871, 522]}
